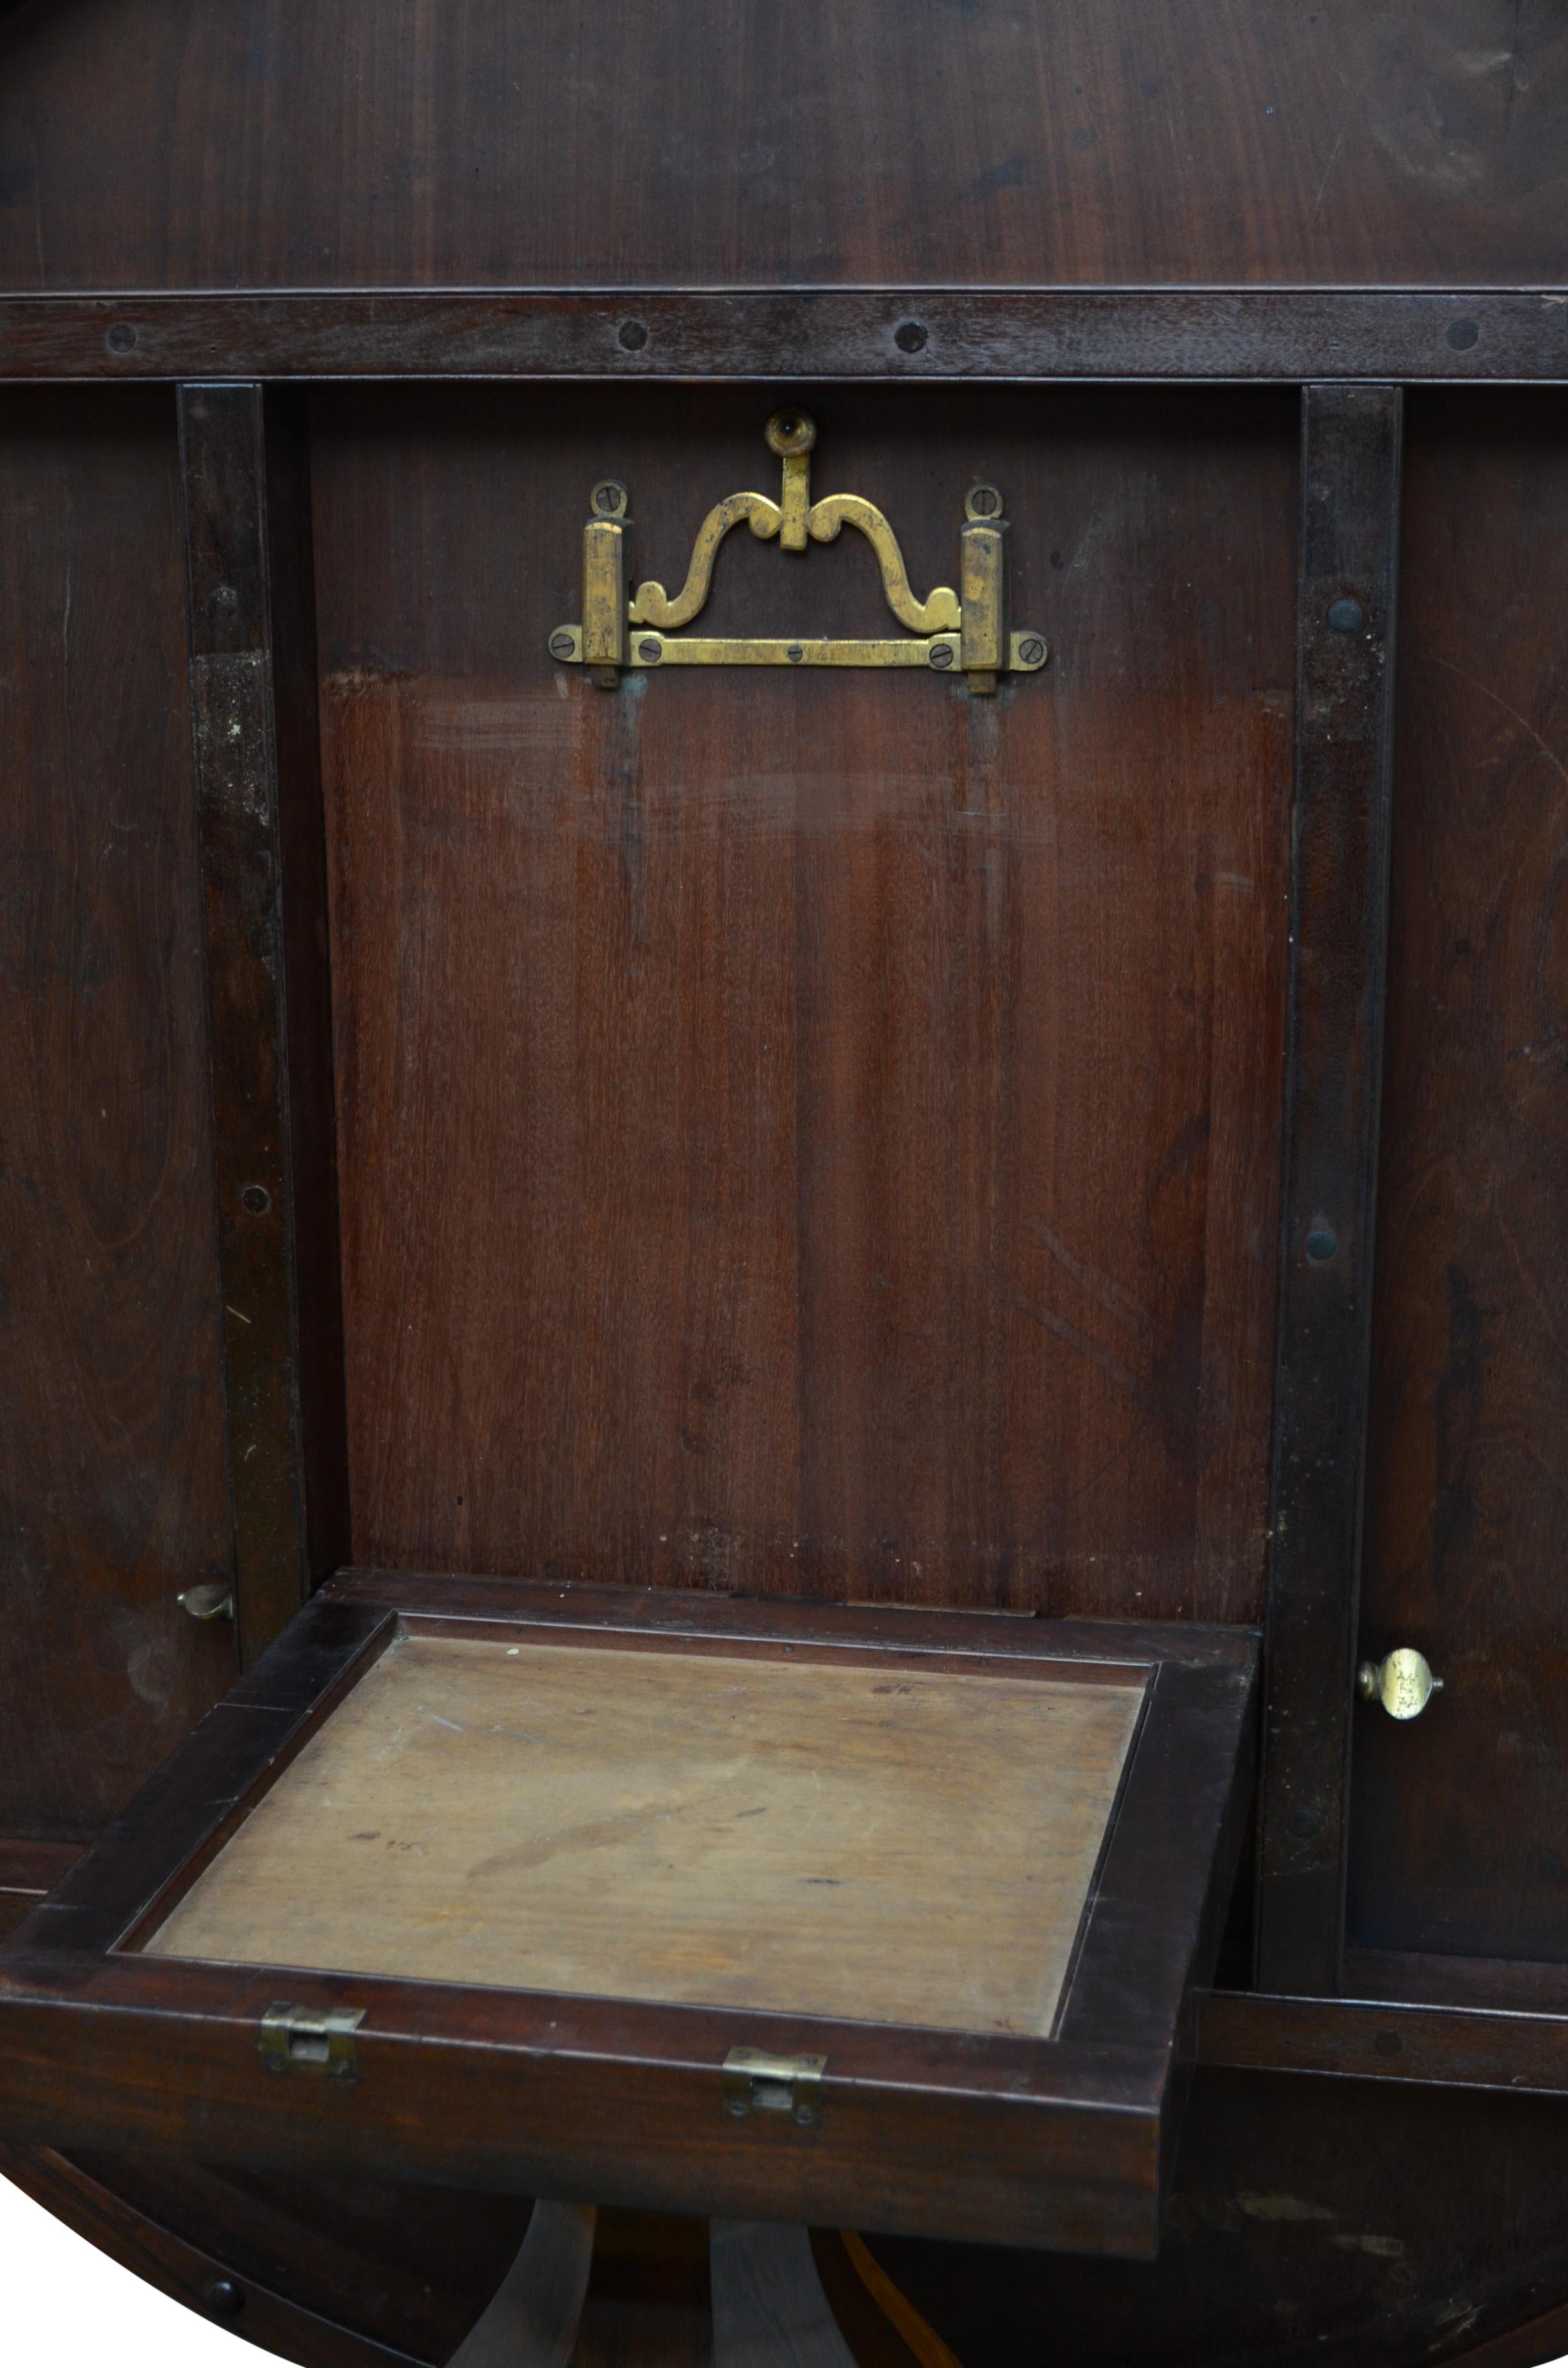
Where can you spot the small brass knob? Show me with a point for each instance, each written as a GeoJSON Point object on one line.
{"type": "Point", "coordinates": [214, 1599]}
{"type": "Point", "coordinates": [1403, 1683]}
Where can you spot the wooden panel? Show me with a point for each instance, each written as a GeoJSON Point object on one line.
{"type": "Point", "coordinates": [1458, 1816]}
{"type": "Point", "coordinates": [111, 1476]}
{"type": "Point", "coordinates": [880, 1843]}
{"type": "Point", "coordinates": [1350, 479]}
{"type": "Point", "coordinates": [816, 1134]}
{"type": "Point", "coordinates": [325, 142]}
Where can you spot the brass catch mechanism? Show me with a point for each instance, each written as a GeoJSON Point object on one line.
{"type": "Point", "coordinates": [301, 2039]}
{"type": "Point", "coordinates": [214, 1599]}
{"type": "Point", "coordinates": [1403, 1683]}
{"type": "Point", "coordinates": [756, 2083]}
{"type": "Point", "coordinates": [944, 634]}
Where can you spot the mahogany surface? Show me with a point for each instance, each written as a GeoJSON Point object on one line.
{"type": "Point", "coordinates": [1457, 1835]}
{"type": "Point", "coordinates": [111, 1420]}
{"type": "Point", "coordinates": [162, 144]}
{"type": "Point", "coordinates": [910, 141]}
{"type": "Point", "coordinates": [858, 1174]}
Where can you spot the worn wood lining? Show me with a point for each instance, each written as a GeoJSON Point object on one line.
{"type": "Point", "coordinates": [872, 1843]}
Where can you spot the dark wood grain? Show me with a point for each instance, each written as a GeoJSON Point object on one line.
{"type": "Point", "coordinates": [255, 753]}
{"type": "Point", "coordinates": [1459, 1817]}
{"type": "Point", "coordinates": [181, 1813]}
{"type": "Point", "coordinates": [919, 333]}
{"type": "Point", "coordinates": [446, 1605]}
{"type": "Point", "coordinates": [1440, 2046]}
{"type": "Point", "coordinates": [1350, 474]}
{"type": "Point", "coordinates": [1309, 2220]}
{"type": "Point", "coordinates": [28, 1870]}
{"type": "Point", "coordinates": [811, 1143]}
{"type": "Point", "coordinates": [506, 2093]}
{"type": "Point", "coordinates": [217, 143]}
{"type": "Point", "coordinates": [648, 2294]}
{"type": "Point", "coordinates": [111, 1487]}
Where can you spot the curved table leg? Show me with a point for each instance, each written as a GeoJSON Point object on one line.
{"type": "Point", "coordinates": [769, 2310]}
{"type": "Point", "coordinates": [533, 2318]}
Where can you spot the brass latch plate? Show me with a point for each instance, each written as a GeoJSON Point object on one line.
{"type": "Point", "coordinates": [756, 2083]}
{"type": "Point", "coordinates": [943, 633]}
{"type": "Point", "coordinates": [300, 2039]}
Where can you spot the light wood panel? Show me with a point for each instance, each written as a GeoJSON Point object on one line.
{"type": "Point", "coordinates": [873, 1843]}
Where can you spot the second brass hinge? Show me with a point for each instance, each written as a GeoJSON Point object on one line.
{"type": "Point", "coordinates": [304, 2039]}
{"type": "Point", "coordinates": [754, 2082]}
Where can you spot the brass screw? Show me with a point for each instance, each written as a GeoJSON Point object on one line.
{"type": "Point", "coordinates": [1031, 649]}
{"type": "Point", "coordinates": [942, 653]}
{"type": "Point", "coordinates": [561, 646]}
{"type": "Point", "coordinates": [650, 651]}
{"type": "Point", "coordinates": [790, 432]}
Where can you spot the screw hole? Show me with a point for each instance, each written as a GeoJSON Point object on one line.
{"type": "Point", "coordinates": [1322, 1242]}
{"type": "Point", "coordinates": [121, 339]}
{"type": "Point", "coordinates": [1462, 334]}
{"type": "Point", "coordinates": [633, 335]}
{"type": "Point", "coordinates": [257, 1199]}
{"type": "Point", "coordinates": [909, 336]}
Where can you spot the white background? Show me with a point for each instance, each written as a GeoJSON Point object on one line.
{"type": "Point", "coordinates": [65, 2305]}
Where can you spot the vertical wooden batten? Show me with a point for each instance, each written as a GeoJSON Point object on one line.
{"type": "Point", "coordinates": [1350, 502]}
{"type": "Point", "coordinates": [244, 476]}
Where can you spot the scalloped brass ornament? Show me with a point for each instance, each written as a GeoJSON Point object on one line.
{"type": "Point", "coordinates": [965, 632]}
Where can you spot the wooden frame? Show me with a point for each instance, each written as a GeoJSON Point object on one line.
{"type": "Point", "coordinates": [1284, 335]}
{"type": "Point", "coordinates": [1325, 339]}
{"type": "Point", "coordinates": [256, 757]}
{"type": "Point", "coordinates": [1064, 2142]}
{"type": "Point", "coordinates": [1339, 872]}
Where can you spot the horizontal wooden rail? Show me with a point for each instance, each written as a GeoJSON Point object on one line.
{"type": "Point", "coordinates": [1367, 2039]}
{"type": "Point", "coordinates": [1282, 335]}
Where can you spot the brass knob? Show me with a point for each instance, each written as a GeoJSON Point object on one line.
{"type": "Point", "coordinates": [1403, 1683]}
{"type": "Point", "coordinates": [214, 1599]}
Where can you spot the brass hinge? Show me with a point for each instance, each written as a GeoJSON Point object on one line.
{"type": "Point", "coordinates": [299, 2039]}
{"type": "Point", "coordinates": [756, 2083]}
{"type": "Point", "coordinates": [962, 634]}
